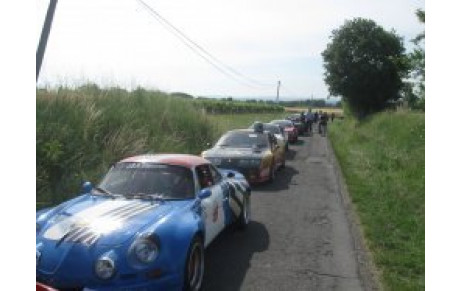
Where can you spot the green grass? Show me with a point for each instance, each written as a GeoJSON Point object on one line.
{"type": "Point", "coordinates": [383, 161]}
{"type": "Point", "coordinates": [81, 132]}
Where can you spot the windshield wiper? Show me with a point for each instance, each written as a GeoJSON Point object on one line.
{"type": "Point", "coordinates": [104, 191]}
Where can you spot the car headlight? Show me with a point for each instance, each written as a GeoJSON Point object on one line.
{"type": "Point", "coordinates": [145, 249]}
{"type": "Point", "coordinates": [104, 267]}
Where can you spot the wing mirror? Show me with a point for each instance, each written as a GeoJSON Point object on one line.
{"type": "Point", "coordinates": [87, 187]}
{"type": "Point", "coordinates": [205, 193]}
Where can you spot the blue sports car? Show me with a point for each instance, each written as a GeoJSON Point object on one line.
{"type": "Point", "coordinates": [144, 227]}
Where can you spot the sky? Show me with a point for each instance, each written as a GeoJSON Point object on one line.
{"type": "Point", "coordinates": [120, 43]}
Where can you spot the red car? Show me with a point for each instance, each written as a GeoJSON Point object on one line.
{"type": "Point", "coordinates": [289, 129]}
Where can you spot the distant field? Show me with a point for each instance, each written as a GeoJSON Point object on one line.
{"type": "Point", "coordinates": [383, 161]}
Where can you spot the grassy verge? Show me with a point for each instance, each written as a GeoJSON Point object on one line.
{"type": "Point", "coordinates": [383, 161]}
{"type": "Point", "coordinates": [81, 132]}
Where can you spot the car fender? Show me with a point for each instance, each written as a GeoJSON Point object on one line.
{"type": "Point", "coordinates": [176, 233]}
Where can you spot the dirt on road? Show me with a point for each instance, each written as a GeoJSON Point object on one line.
{"type": "Point", "coordinates": [303, 235]}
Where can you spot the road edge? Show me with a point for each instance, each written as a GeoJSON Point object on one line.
{"type": "Point", "coordinates": [367, 270]}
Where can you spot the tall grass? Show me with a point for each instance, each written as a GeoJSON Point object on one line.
{"type": "Point", "coordinates": [383, 160]}
{"type": "Point", "coordinates": [81, 132]}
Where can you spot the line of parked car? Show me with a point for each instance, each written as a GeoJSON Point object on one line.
{"type": "Point", "coordinates": [257, 152]}
{"type": "Point", "coordinates": [145, 226]}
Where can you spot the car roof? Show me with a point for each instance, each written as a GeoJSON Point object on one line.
{"type": "Point", "coordinates": [247, 130]}
{"type": "Point", "coordinates": [272, 125]}
{"type": "Point", "coordinates": [283, 123]}
{"type": "Point", "coordinates": [185, 160]}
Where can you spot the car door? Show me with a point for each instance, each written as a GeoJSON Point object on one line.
{"type": "Point", "coordinates": [213, 211]}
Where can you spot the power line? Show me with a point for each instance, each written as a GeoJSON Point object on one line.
{"type": "Point", "coordinates": [204, 54]}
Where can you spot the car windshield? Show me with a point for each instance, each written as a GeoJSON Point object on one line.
{"type": "Point", "coordinates": [274, 129]}
{"type": "Point", "coordinates": [283, 123]}
{"type": "Point", "coordinates": [243, 140]}
{"type": "Point", "coordinates": [295, 117]}
{"type": "Point", "coordinates": [149, 180]}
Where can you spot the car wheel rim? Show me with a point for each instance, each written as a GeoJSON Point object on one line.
{"type": "Point", "coordinates": [195, 267]}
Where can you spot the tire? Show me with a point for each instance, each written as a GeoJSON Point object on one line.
{"type": "Point", "coordinates": [194, 265]}
{"type": "Point", "coordinates": [272, 173]}
{"type": "Point", "coordinates": [245, 216]}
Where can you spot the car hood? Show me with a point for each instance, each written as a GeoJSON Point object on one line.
{"type": "Point", "coordinates": [101, 220]}
{"type": "Point", "coordinates": [81, 227]}
{"type": "Point", "coordinates": [235, 153]}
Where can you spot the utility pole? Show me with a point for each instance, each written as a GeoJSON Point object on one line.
{"type": "Point", "coordinates": [44, 36]}
{"type": "Point", "coordinates": [278, 92]}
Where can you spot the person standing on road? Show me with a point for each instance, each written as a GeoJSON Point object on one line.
{"type": "Point", "coordinates": [302, 122]}
{"type": "Point", "coordinates": [332, 117]}
{"type": "Point", "coordinates": [309, 119]}
{"type": "Point", "coordinates": [323, 123]}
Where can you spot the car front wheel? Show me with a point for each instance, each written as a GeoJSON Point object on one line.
{"type": "Point", "coordinates": [245, 216]}
{"type": "Point", "coordinates": [194, 266]}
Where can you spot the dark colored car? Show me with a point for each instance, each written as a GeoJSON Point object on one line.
{"type": "Point", "coordinates": [289, 129]}
{"type": "Point", "coordinates": [256, 155]}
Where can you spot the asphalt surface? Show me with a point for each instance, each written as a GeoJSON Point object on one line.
{"type": "Point", "coordinates": [299, 237]}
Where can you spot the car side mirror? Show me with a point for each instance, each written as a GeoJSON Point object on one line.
{"type": "Point", "coordinates": [230, 175]}
{"type": "Point", "coordinates": [87, 187]}
{"type": "Point", "coordinates": [205, 193]}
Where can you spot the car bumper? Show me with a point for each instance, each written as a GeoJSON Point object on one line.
{"type": "Point", "coordinates": [253, 175]}
{"type": "Point", "coordinates": [167, 282]}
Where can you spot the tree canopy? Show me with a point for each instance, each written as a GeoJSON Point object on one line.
{"type": "Point", "coordinates": [417, 58]}
{"type": "Point", "coordinates": [363, 65]}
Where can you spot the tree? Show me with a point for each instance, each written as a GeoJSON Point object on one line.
{"type": "Point", "coordinates": [363, 65]}
{"type": "Point", "coordinates": [417, 58]}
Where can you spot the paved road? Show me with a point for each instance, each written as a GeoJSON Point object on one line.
{"type": "Point", "coordinates": [299, 237]}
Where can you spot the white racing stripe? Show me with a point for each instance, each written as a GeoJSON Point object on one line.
{"type": "Point", "coordinates": [89, 224]}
